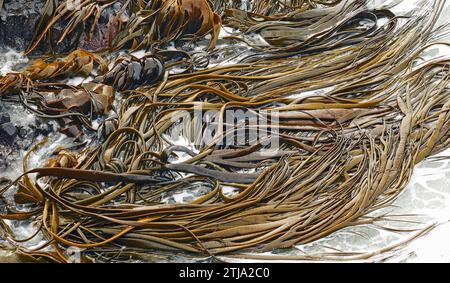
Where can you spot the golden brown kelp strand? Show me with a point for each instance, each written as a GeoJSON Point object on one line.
{"type": "Point", "coordinates": [37, 87]}
{"type": "Point", "coordinates": [149, 23]}
{"type": "Point", "coordinates": [78, 62]}
{"type": "Point", "coordinates": [146, 23]}
{"type": "Point", "coordinates": [75, 12]}
{"type": "Point", "coordinates": [271, 8]}
{"type": "Point", "coordinates": [314, 31]}
{"type": "Point", "coordinates": [281, 221]}
{"type": "Point", "coordinates": [167, 20]}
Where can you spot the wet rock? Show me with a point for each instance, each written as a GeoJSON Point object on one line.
{"type": "Point", "coordinates": [2, 207]}
{"type": "Point", "coordinates": [2, 162]}
{"type": "Point", "coordinates": [202, 191]}
{"type": "Point", "coordinates": [17, 21]}
{"type": "Point", "coordinates": [188, 199]}
{"type": "Point", "coordinates": [4, 118]}
{"type": "Point", "coordinates": [22, 132]}
{"type": "Point", "coordinates": [19, 18]}
{"type": "Point", "coordinates": [8, 132]}
{"type": "Point", "coordinates": [105, 30]}
{"type": "Point", "coordinates": [171, 200]}
{"type": "Point", "coordinates": [4, 181]}
{"type": "Point", "coordinates": [41, 128]}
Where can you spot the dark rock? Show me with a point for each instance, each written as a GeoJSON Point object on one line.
{"type": "Point", "coordinates": [19, 19]}
{"type": "Point", "coordinates": [4, 182]}
{"type": "Point", "coordinates": [41, 127]}
{"type": "Point", "coordinates": [3, 205]}
{"type": "Point", "coordinates": [171, 200]}
{"type": "Point", "coordinates": [188, 199]}
{"type": "Point", "coordinates": [8, 132]}
{"type": "Point", "coordinates": [202, 191]}
{"type": "Point", "coordinates": [4, 118]}
{"type": "Point", "coordinates": [22, 132]}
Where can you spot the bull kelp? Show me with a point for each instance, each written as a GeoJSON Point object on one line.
{"type": "Point", "coordinates": [345, 106]}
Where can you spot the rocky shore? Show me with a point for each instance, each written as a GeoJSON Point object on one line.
{"type": "Point", "coordinates": [19, 19]}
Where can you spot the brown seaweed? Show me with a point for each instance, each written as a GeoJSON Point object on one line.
{"type": "Point", "coordinates": [342, 153]}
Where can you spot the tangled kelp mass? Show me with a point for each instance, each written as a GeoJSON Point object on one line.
{"type": "Point", "coordinates": [345, 108]}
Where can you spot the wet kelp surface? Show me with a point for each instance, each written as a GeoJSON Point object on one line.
{"type": "Point", "coordinates": [346, 107]}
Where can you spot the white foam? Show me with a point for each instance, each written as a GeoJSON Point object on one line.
{"type": "Point", "coordinates": [9, 59]}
